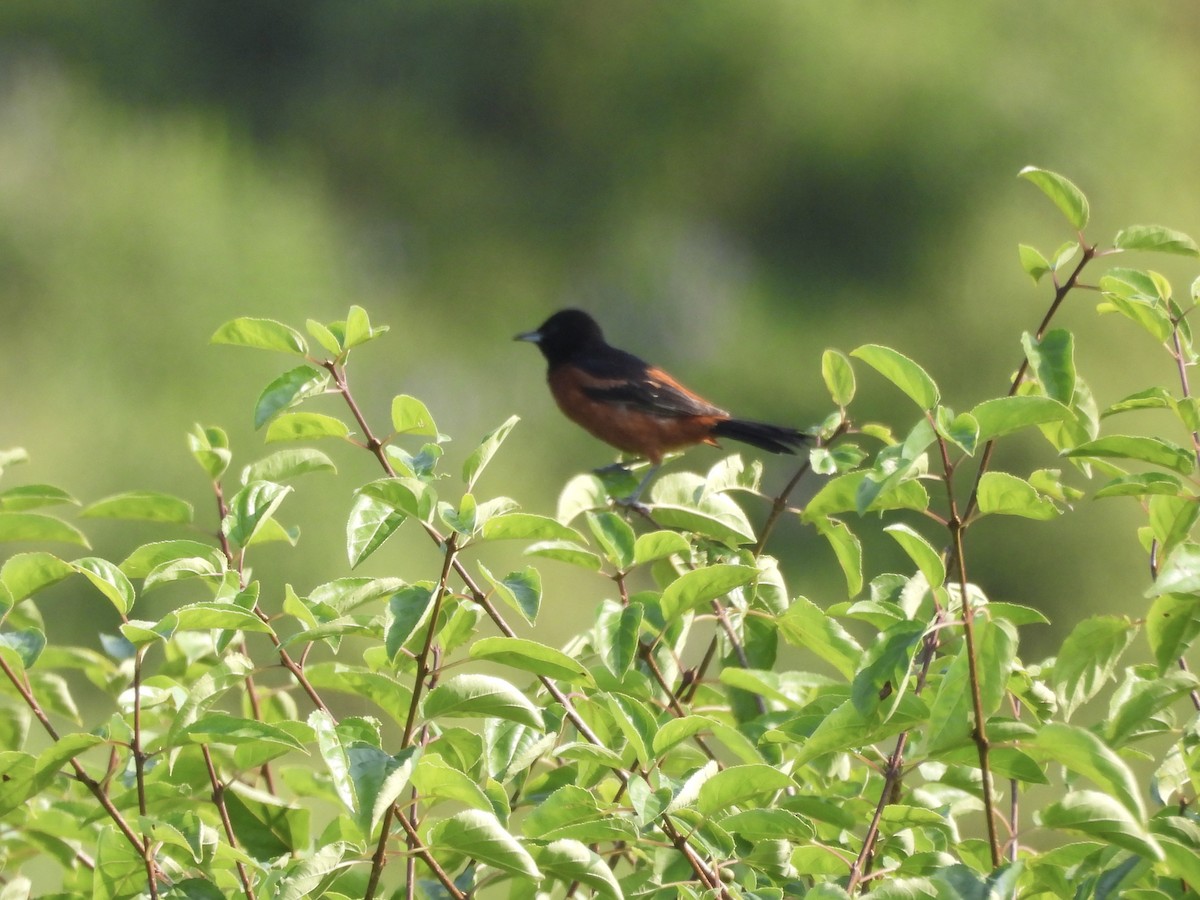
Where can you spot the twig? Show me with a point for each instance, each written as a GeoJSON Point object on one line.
{"type": "Point", "coordinates": [218, 799]}
{"type": "Point", "coordinates": [1060, 294]}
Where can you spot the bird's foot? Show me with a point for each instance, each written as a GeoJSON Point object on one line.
{"type": "Point", "coordinates": [633, 504]}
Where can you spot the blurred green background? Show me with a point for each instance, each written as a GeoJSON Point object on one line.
{"type": "Point", "coordinates": [729, 186]}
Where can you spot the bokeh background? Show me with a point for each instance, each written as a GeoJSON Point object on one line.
{"type": "Point", "coordinates": [729, 186]}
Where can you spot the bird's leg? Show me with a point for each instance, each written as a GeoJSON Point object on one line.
{"type": "Point", "coordinates": [633, 501]}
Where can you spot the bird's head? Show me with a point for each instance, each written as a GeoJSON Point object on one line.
{"type": "Point", "coordinates": [564, 334]}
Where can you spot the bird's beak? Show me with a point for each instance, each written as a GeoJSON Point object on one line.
{"type": "Point", "coordinates": [533, 337]}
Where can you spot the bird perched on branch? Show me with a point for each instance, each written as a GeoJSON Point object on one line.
{"type": "Point", "coordinates": [632, 405]}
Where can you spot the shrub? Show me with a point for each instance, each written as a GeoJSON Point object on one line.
{"type": "Point", "coordinates": [705, 733]}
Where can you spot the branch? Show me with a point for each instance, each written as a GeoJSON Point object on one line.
{"type": "Point", "coordinates": [218, 799]}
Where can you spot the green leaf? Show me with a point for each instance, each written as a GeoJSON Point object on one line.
{"type": "Point", "coordinates": [770, 824]}
{"type": "Point", "coordinates": [475, 696]}
{"type": "Point", "coordinates": [615, 537]}
{"type": "Point", "coordinates": [262, 334]}
{"type": "Point", "coordinates": [682, 501]}
{"type": "Point", "coordinates": [1146, 449]}
{"type": "Point", "coordinates": [1083, 753]}
{"type": "Point", "coordinates": [839, 376]}
{"type": "Point", "coordinates": [1088, 659]}
{"type": "Point", "coordinates": [24, 574]}
{"type": "Point", "coordinates": [324, 336]}
{"type": "Point", "coordinates": [919, 550]}
{"type": "Point", "coordinates": [527, 527]}
{"type": "Point", "coordinates": [1005, 415]}
{"type": "Point", "coordinates": [885, 670]}
{"type": "Point", "coordinates": [529, 656]}
{"type": "Point", "coordinates": [250, 508]}
{"type": "Point", "coordinates": [288, 389]}
{"type": "Point", "coordinates": [1007, 495]}
{"type": "Point", "coordinates": [656, 545]}
{"type": "Point", "coordinates": [284, 464]}
{"type": "Point", "coordinates": [145, 506]}
{"type": "Point", "coordinates": [1066, 196]}
{"type": "Point", "coordinates": [27, 644]}
{"type": "Point", "coordinates": [411, 416]}
{"type": "Point", "coordinates": [1171, 626]}
{"type": "Point", "coordinates": [675, 731]}
{"type": "Point", "coordinates": [1032, 261]}
{"type": "Point", "coordinates": [1155, 238]}
{"type": "Point", "coordinates": [737, 784]}
{"type": "Point", "coordinates": [24, 526]}
{"type": "Point", "coordinates": [1143, 485]}
{"type": "Point", "coordinates": [371, 522]}
{"type": "Point", "coordinates": [108, 579]}
{"type": "Point", "coordinates": [408, 610]}
{"type": "Point", "coordinates": [437, 780]}
{"type": "Point", "coordinates": [203, 616]}
{"type": "Point", "coordinates": [567, 806]}
{"type": "Point", "coordinates": [210, 448]}
{"type": "Point", "coordinates": [34, 496]}
{"type": "Point", "coordinates": [900, 371]}
{"type": "Point", "coordinates": [1180, 573]}
{"type": "Point", "coordinates": [1151, 398]}
{"type": "Point", "coordinates": [571, 862]}
{"type": "Point", "coordinates": [698, 586]}
{"type": "Point", "coordinates": [637, 723]}
{"type": "Point", "coordinates": [487, 448]}
{"type": "Point", "coordinates": [845, 727]}
{"type": "Point", "coordinates": [521, 590]}
{"type": "Point", "coordinates": [479, 835]}
{"type": "Point", "coordinates": [265, 826]}
{"type": "Point", "coordinates": [407, 495]}
{"type": "Point", "coordinates": [378, 779]}
{"type": "Point", "coordinates": [222, 728]}
{"type": "Point", "coordinates": [1053, 362]}
{"type": "Point", "coordinates": [961, 430]}
{"type": "Point", "coordinates": [1100, 816]}
{"type": "Point", "coordinates": [806, 625]}
{"type": "Point", "coordinates": [840, 495]}
{"type": "Point", "coordinates": [848, 550]}
{"type": "Point", "coordinates": [1140, 700]}
{"type": "Point", "coordinates": [358, 328]}
{"type": "Point", "coordinates": [305, 426]}
{"type": "Point", "coordinates": [618, 631]}
{"type": "Point", "coordinates": [568, 552]}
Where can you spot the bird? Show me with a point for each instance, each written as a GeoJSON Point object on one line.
{"type": "Point", "coordinates": [632, 405]}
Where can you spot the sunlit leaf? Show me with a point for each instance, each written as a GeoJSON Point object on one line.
{"type": "Point", "coordinates": [1155, 238]}
{"type": "Point", "coordinates": [900, 371]}
{"type": "Point", "coordinates": [1066, 196]}
{"type": "Point", "coordinates": [263, 334]}
{"type": "Point", "coordinates": [839, 376]}
{"type": "Point", "coordinates": [146, 506]}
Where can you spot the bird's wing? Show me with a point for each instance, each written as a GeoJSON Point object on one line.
{"type": "Point", "coordinates": [653, 391]}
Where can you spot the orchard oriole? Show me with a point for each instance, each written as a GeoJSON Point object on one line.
{"type": "Point", "coordinates": [632, 405]}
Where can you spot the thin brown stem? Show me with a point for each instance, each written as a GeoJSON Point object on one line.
{"type": "Point", "coordinates": [1060, 294]}
{"type": "Point", "coordinates": [780, 502]}
{"type": "Point", "coordinates": [81, 774]}
{"type": "Point", "coordinates": [979, 734]}
{"type": "Point", "coordinates": [379, 858]}
{"type": "Point", "coordinates": [139, 770]}
{"type": "Point", "coordinates": [218, 799]}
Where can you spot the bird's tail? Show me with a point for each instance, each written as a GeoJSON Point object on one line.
{"type": "Point", "coordinates": [774, 438]}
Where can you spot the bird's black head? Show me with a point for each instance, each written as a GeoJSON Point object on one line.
{"type": "Point", "coordinates": [564, 334]}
